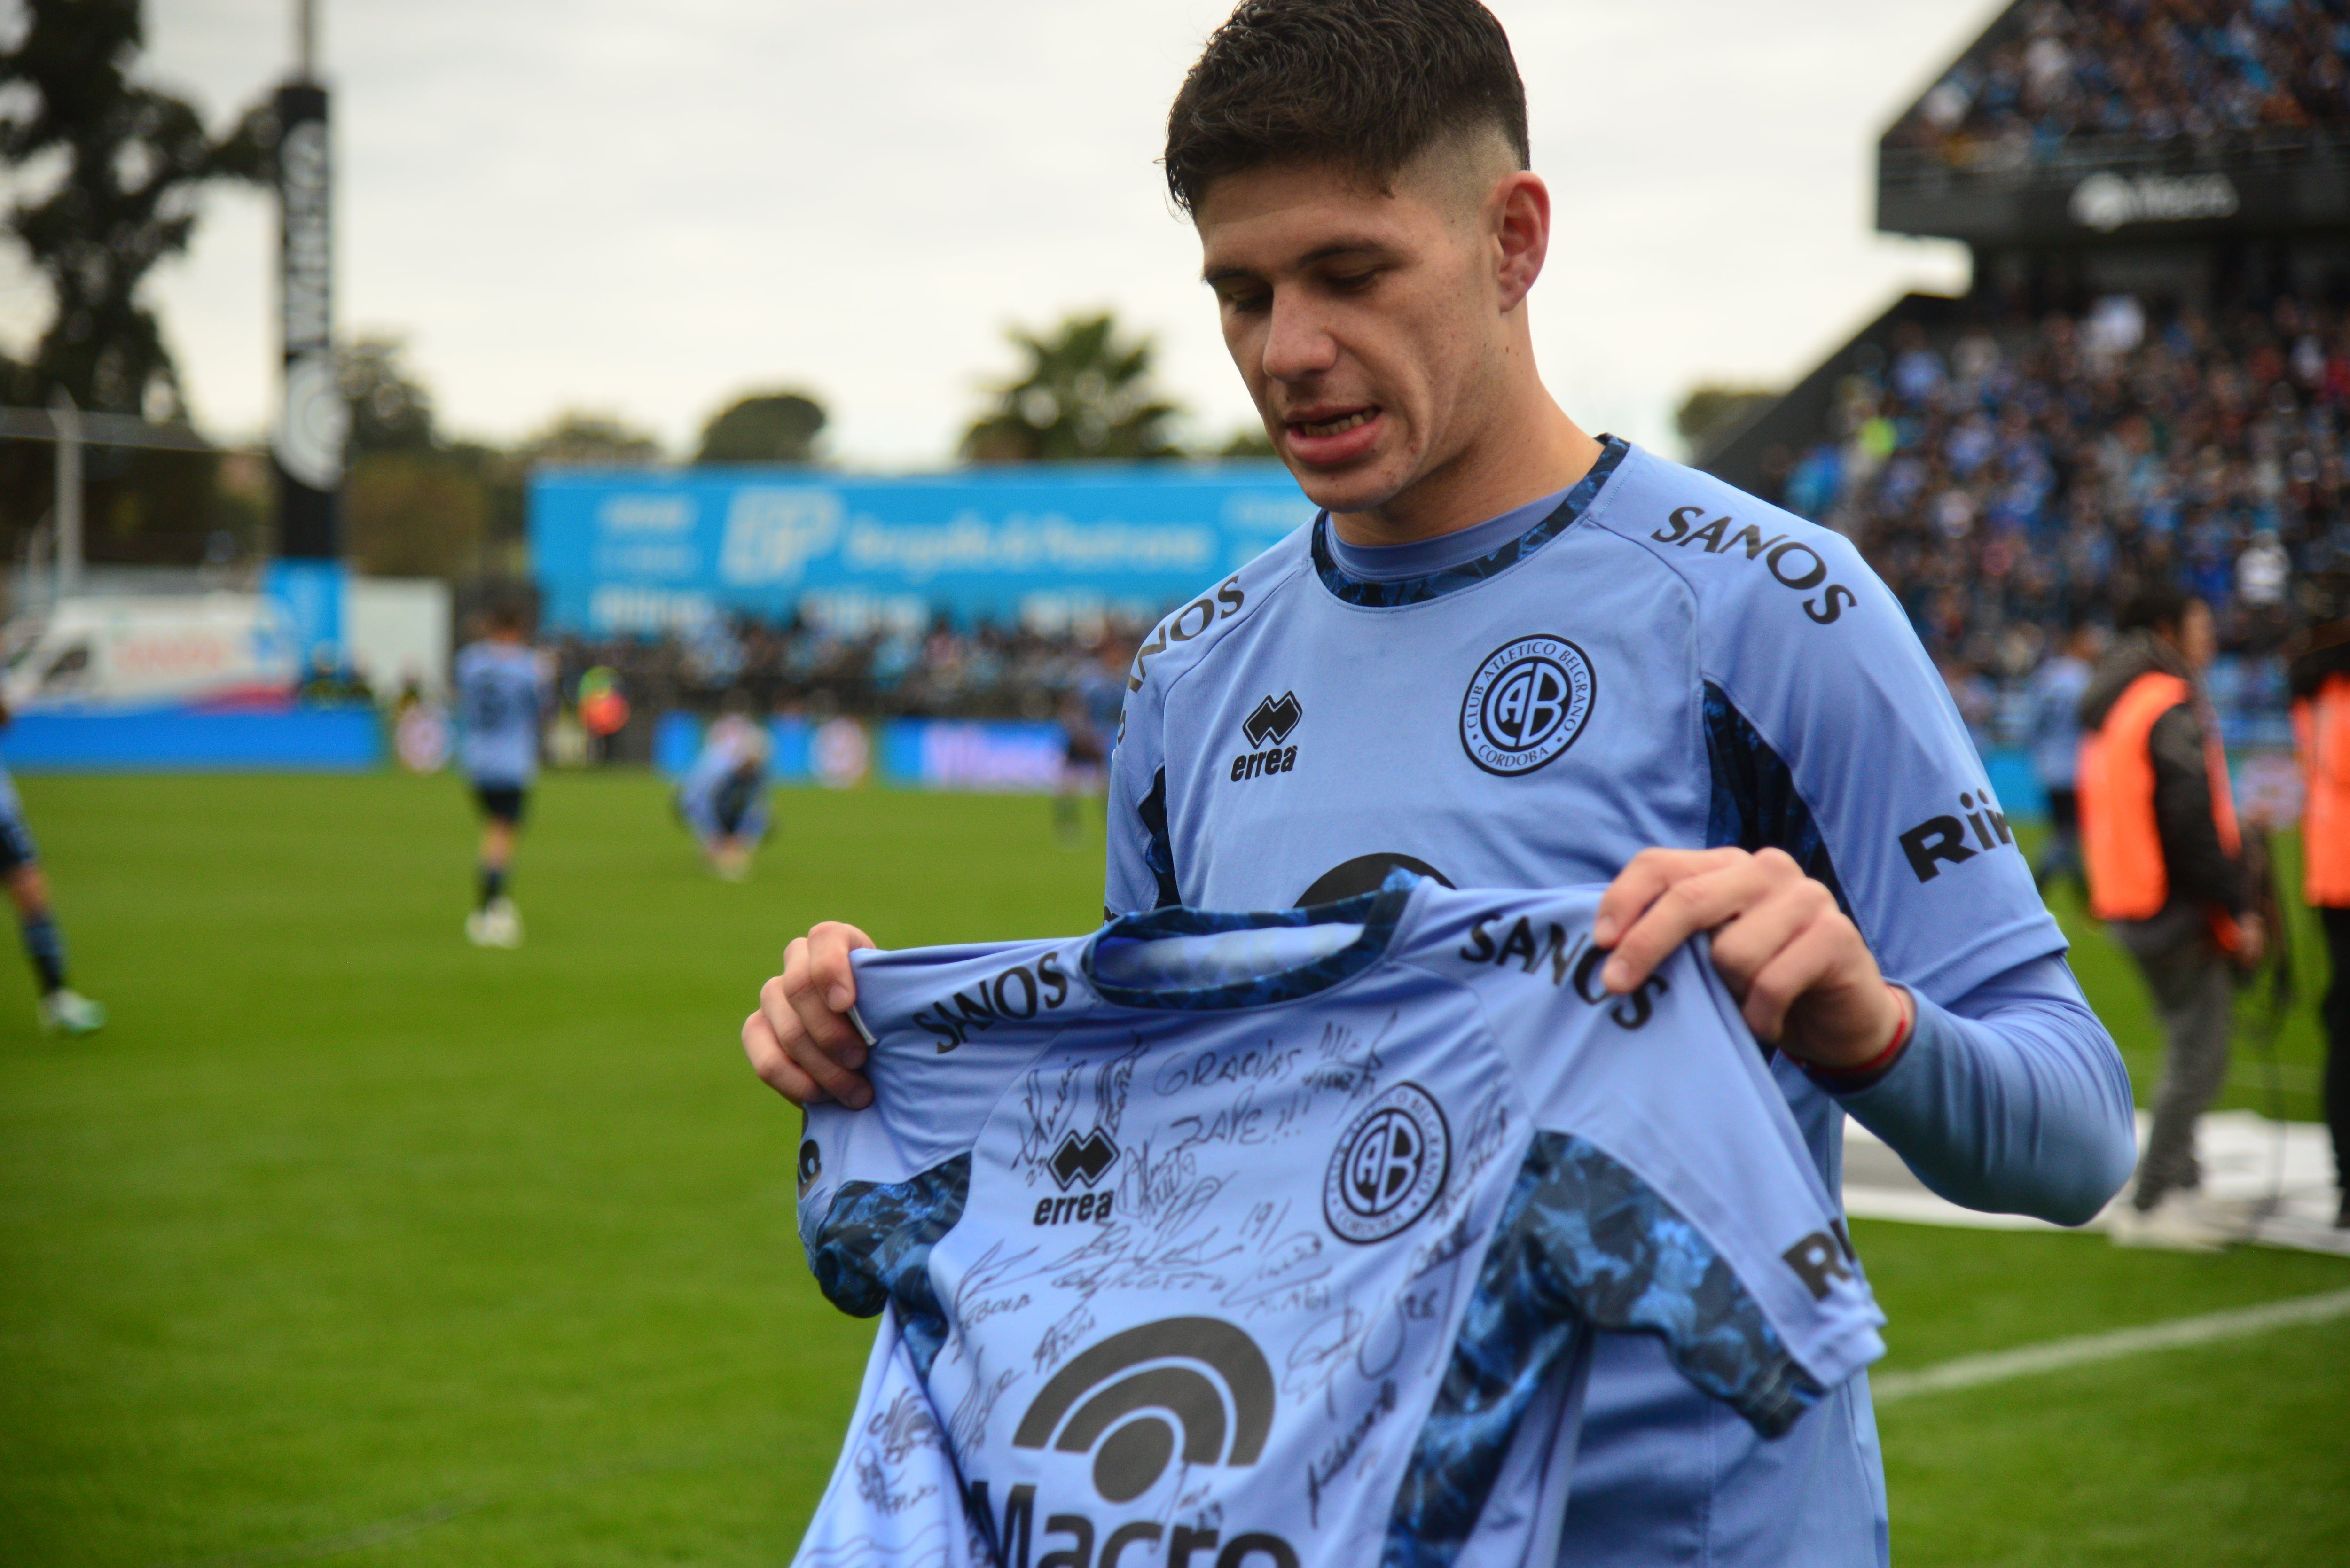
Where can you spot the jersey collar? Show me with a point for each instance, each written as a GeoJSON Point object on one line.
{"type": "Point", "coordinates": [1378, 912]}
{"type": "Point", "coordinates": [1357, 590]}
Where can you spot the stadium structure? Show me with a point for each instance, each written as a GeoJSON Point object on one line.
{"type": "Point", "coordinates": [2149, 373]}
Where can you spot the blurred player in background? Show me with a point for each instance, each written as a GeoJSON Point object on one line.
{"type": "Point", "coordinates": [61, 1010]}
{"type": "Point", "coordinates": [724, 798]}
{"type": "Point", "coordinates": [2057, 688]}
{"type": "Point", "coordinates": [501, 704]}
{"type": "Point", "coordinates": [1089, 715]}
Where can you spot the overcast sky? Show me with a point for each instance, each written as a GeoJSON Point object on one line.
{"type": "Point", "coordinates": [645, 210]}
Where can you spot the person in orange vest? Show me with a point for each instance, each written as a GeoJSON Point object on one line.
{"type": "Point", "coordinates": [2320, 727]}
{"type": "Point", "coordinates": [2166, 873]}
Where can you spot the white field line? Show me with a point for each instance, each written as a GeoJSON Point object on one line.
{"type": "Point", "coordinates": [1972, 1371]}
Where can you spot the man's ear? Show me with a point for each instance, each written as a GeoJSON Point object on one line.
{"type": "Point", "coordinates": [1518, 215]}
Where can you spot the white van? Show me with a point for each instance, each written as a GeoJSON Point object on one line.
{"type": "Point", "coordinates": [138, 652]}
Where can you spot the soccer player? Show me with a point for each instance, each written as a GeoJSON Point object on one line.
{"type": "Point", "coordinates": [723, 797]}
{"type": "Point", "coordinates": [501, 697]}
{"type": "Point", "coordinates": [61, 1010]}
{"type": "Point", "coordinates": [1511, 654]}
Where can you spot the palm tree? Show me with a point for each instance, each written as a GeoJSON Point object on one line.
{"type": "Point", "coordinates": [1085, 394]}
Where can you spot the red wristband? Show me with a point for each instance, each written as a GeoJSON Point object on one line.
{"type": "Point", "coordinates": [1883, 1059]}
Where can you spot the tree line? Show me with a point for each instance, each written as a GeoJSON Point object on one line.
{"type": "Point", "coordinates": [112, 173]}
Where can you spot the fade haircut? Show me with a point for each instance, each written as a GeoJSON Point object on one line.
{"type": "Point", "coordinates": [1363, 86]}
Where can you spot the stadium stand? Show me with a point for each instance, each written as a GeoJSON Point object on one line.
{"type": "Point", "coordinates": [2051, 82]}
{"type": "Point", "coordinates": [2150, 375]}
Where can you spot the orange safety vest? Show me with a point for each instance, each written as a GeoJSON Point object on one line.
{"type": "Point", "coordinates": [2120, 845]}
{"type": "Point", "coordinates": [2321, 728]}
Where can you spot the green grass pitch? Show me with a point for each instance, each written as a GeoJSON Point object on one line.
{"type": "Point", "coordinates": [349, 1243]}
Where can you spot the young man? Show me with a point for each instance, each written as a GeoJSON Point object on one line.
{"type": "Point", "coordinates": [61, 1010]}
{"type": "Point", "coordinates": [1511, 654]}
{"type": "Point", "coordinates": [501, 699]}
{"type": "Point", "coordinates": [2166, 873]}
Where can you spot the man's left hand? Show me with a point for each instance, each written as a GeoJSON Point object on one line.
{"type": "Point", "coordinates": [1804, 979]}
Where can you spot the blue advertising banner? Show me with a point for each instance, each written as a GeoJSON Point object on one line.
{"type": "Point", "coordinates": [193, 740]}
{"type": "Point", "coordinates": [922, 754]}
{"type": "Point", "coordinates": [650, 551]}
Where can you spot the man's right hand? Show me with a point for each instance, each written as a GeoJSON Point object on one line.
{"type": "Point", "coordinates": [800, 1042]}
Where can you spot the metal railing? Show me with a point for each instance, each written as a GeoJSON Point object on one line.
{"type": "Point", "coordinates": [2005, 165]}
{"type": "Point", "coordinates": [72, 430]}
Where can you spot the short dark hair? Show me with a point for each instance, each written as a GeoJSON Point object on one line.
{"type": "Point", "coordinates": [1364, 85]}
{"type": "Point", "coordinates": [2152, 608]}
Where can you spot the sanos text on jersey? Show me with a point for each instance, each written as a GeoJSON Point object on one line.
{"type": "Point", "coordinates": [1792, 564]}
{"type": "Point", "coordinates": [1019, 992]}
{"type": "Point", "coordinates": [1576, 961]}
{"type": "Point", "coordinates": [1186, 624]}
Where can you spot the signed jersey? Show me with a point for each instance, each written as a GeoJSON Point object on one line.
{"type": "Point", "coordinates": [1271, 1241]}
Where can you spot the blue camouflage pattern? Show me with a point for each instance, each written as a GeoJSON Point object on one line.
{"type": "Point", "coordinates": [1376, 912]}
{"type": "Point", "coordinates": [1452, 579]}
{"type": "Point", "coordinates": [1583, 1244]}
{"type": "Point", "coordinates": [1755, 803]}
{"type": "Point", "coordinates": [874, 1245]}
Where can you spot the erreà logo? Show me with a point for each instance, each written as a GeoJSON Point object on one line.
{"type": "Point", "coordinates": [1272, 721]}
{"type": "Point", "coordinates": [1083, 1158]}
{"type": "Point", "coordinates": [1196, 1385]}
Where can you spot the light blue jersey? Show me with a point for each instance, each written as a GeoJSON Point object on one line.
{"type": "Point", "coordinates": [1652, 659]}
{"type": "Point", "coordinates": [1280, 1240]}
{"type": "Point", "coordinates": [724, 795]}
{"type": "Point", "coordinates": [501, 697]}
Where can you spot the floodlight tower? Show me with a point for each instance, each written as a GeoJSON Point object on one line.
{"type": "Point", "coordinates": [313, 424]}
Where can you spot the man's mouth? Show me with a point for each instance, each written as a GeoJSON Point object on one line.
{"type": "Point", "coordinates": [1335, 425]}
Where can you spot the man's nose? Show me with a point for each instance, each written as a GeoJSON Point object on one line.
{"type": "Point", "coordinates": [1297, 342]}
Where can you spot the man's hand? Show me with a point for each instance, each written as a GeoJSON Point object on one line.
{"type": "Point", "coordinates": [800, 1042]}
{"type": "Point", "coordinates": [2251, 940]}
{"type": "Point", "coordinates": [1802, 977]}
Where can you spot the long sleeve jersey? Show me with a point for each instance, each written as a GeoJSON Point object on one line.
{"type": "Point", "coordinates": [1648, 658]}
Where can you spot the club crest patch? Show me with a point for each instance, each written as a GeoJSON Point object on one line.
{"type": "Point", "coordinates": [1527, 702]}
{"type": "Point", "coordinates": [1390, 1166]}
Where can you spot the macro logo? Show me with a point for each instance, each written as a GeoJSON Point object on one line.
{"type": "Point", "coordinates": [1527, 704]}
{"type": "Point", "coordinates": [811, 1163]}
{"type": "Point", "coordinates": [1390, 1166]}
{"type": "Point", "coordinates": [1193, 1386]}
{"type": "Point", "coordinates": [772, 535]}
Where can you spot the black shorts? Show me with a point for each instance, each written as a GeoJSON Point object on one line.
{"type": "Point", "coordinates": [734, 802]}
{"type": "Point", "coordinates": [501, 803]}
{"type": "Point", "coordinates": [16, 851]}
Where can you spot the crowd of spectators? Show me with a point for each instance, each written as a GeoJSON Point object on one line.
{"type": "Point", "coordinates": [2206, 75]}
{"type": "Point", "coordinates": [2019, 476]}
{"type": "Point", "coordinates": [986, 670]}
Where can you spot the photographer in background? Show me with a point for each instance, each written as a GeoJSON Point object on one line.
{"type": "Point", "coordinates": [2166, 873]}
